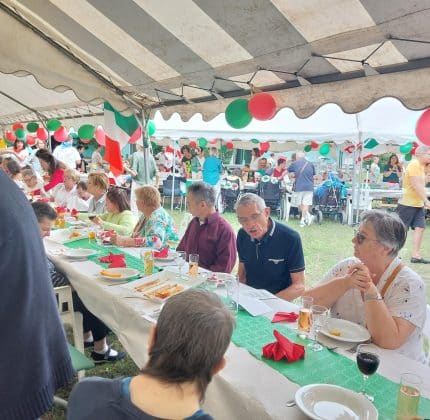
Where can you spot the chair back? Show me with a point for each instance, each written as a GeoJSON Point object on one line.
{"type": "Point", "coordinates": [270, 191]}
{"type": "Point", "coordinates": [172, 184]}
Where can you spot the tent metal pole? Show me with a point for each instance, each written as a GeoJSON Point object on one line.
{"type": "Point", "coordinates": [144, 117]}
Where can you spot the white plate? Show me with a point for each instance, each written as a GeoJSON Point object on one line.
{"type": "Point", "coordinates": [167, 259]}
{"type": "Point", "coordinates": [126, 273]}
{"type": "Point", "coordinates": [78, 253]}
{"type": "Point", "coordinates": [63, 236]}
{"type": "Point", "coordinates": [328, 402]}
{"type": "Point", "coordinates": [349, 331]}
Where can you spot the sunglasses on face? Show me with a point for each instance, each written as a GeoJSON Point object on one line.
{"type": "Point", "coordinates": [361, 238]}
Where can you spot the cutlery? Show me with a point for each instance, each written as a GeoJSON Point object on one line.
{"type": "Point", "coordinates": [290, 403]}
{"type": "Point", "coordinates": [134, 297]}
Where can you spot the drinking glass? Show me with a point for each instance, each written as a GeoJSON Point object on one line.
{"type": "Point", "coordinates": [408, 398]}
{"type": "Point", "coordinates": [193, 262]}
{"type": "Point", "coordinates": [367, 362]}
{"type": "Point", "coordinates": [180, 257]}
{"type": "Point", "coordinates": [304, 323]}
{"type": "Point", "coordinates": [319, 316]}
{"type": "Point", "coordinates": [230, 291]}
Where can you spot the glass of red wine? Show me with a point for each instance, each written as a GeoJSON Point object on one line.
{"type": "Point", "coordinates": [367, 362]}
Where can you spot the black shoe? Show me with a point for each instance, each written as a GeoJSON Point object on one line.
{"type": "Point", "coordinates": [419, 260]}
{"type": "Point", "coordinates": [106, 357]}
{"type": "Point", "coordinates": [88, 344]}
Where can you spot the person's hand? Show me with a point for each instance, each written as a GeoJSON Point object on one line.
{"type": "Point", "coordinates": [117, 240]}
{"type": "Point", "coordinates": [359, 278]}
{"type": "Point", "coordinates": [96, 220]}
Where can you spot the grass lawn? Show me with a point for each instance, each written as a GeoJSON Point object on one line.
{"type": "Point", "coordinates": [323, 245]}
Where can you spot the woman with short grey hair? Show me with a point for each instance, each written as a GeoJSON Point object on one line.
{"type": "Point", "coordinates": [375, 289]}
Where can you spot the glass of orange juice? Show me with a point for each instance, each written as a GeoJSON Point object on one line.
{"type": "Point", "coordinates": [193, 263]}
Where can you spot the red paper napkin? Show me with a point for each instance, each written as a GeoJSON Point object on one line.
{"type": "Point", "coordinates": [74, 212]}
{"type": "Point", "coordinates": [283, 348]}
{"type": "Point", "coordinates": [285, 316]}
{"type": "Point", "coordinates": [114, 260]}
{"type": "Point", "coordinates": [163, 253]}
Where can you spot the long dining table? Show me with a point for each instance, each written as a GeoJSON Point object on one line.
{"type": "Point", "coordinates": [247, 388]}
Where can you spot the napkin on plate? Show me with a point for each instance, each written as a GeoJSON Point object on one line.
{"type": "Point", "coordinates": [114, 260]}
{"type": "Point", "coordinates": [163, 253]}
{"type": "Point", "coordinates": [285, 316]}
{"type": "Point", "coordinates": [283, 348]}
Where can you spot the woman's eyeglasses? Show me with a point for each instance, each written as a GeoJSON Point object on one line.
{"type": "Point", "coordinates": [361, 238]}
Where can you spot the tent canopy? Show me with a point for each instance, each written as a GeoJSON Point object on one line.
{"type": "Point", "coordinates": [194, 56]}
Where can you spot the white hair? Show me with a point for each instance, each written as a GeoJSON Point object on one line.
{"type": "Point", "coordinates": [250, 198]}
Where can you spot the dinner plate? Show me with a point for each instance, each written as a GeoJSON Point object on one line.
{"type": "Point", "coordinates": [124, 273]}
{"type": "Point", "coordinates": [63, 236]}
{"type": "Point", "coordinates": [328, 402]}
{"type": "Point", "coordinates": [78, 253]}
{"type": "Point", "coordinates": [169, 258]}
{"type": "Point", "coordinates": [348, 331]}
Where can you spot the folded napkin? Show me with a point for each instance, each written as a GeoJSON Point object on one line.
{"type": "Point", "coordinates": [163, 253]}
{"type": "Point", "coordinates": [285, 316]}
{"type": "Point", "coordinates": [283, 348]}
{"type": "Point", "coordinates": [114, 260]}
{"type": "Point", "coordinates": [60, 209]}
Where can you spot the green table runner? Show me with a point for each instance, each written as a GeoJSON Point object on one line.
{"type": "Point", "coordinates": [325, 366]}
{"type": "Point", "coordinates": [130, 260]}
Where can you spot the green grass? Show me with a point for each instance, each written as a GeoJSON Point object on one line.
{"type": "Point", "coordinates": [323, 245]}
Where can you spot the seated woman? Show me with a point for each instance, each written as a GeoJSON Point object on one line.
{"type": "Point", "coordinates": [12, 168]}
{"type": "Point", "coordinates": [170, 386]}
{"type": "Point", "coordinates": [63, 192]}
{"type": "Point", "coordinates": [118, 216]}
{"type": "Point", "coordinates": [53, 168]}
{"type": "Point", "coordinates": [33, 182]}
{"type": "Point", "coordinates": [375, 289]}
{"type": "Point", "coordinates": [98, 183]}
{"type": "Point", "coordinates": [155, 226]}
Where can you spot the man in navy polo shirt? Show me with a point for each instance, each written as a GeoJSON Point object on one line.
{"type": "Point", "coordinates": [270, 253]}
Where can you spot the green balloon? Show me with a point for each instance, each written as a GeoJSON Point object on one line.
{"type": "Point", "coordinates": [32, 127]}
{"type": "Point", "coordinates": [255, 141]}
{"type": "Point", "coordinates": [20, 133]}
{"type": "Point", "coordinates": [86, 132]}
{"type": "Point", "coordinates": [53, 125]}
{"type": "Point", "coordinates": [237, 115]}
{"type": "Point", "coordinates": [324, 149]}
{"type": "Point", "coordinates": [151, 128]}
{"type": "Point", "coordinates": [202, 142]}
{"type": "Point", "coordinates": [408, 157]}
{"type": "Point", "coordinates": [406, 148]}
{"type": "Point", "coordinates": [370, 143]}
{"type": "Point", "coordinates": [223, 148]}
{"type": "Point", "coordinates": [307, 148]}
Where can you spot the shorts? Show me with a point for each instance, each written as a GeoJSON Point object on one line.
{"type": "Point", "coordinates": [303, 197]}
{"type": "Point", "coordinates": [412, 217]}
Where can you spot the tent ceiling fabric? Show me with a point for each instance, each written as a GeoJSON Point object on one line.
{"type": "Point", "coordinates": [139, 54]}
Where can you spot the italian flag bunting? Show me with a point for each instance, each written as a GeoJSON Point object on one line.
{"type": "Point", "coordinates": [120, 131]}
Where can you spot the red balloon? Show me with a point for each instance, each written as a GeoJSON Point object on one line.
{"type": "Point", "coordinates": [314, 145]}
{"type": "Point", "coordinates": [16, 126]}
{"type": "Point", "coordinates": [265, 146]}
{"type": "Point", "coordinates": [99, 134]}
{"type": "Point", "coordinates": [61, 134]}
{"type": "Point", "coordinates": [262, 106]}
{"type": "Point", "coordinates": [229, 145]}
{"type": "Point", "coordinates": [10, 136]}
{"type": "Point", "coordinates": [169, 149]}
{"type": "Point", "coordinates": [422, 129]}
{"type": "Point", "coordinates": [31, 141]}
{"type": "Point", "coordinates": [42, 134]}
{"type": "Point", "coordinates": [213, 141]}
{"type": "Point", "coordinates": [193, 144]}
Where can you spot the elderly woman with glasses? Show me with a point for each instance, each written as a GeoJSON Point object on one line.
{"type": "Point", "coordinates": [375, 289]}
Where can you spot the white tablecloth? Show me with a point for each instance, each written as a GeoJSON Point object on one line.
{"type": "Point", "coordinates": [247, 388]}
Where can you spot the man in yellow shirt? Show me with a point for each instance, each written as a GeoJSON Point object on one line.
{"type": "Point", "coordinates": [411, 208]}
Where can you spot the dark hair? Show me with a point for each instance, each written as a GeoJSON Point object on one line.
{"type": "Point", "coordinates": [82, 185]}
{"type": "Point", "coordinates": [119, 197]}
{"type": "Point", "coordinates": [391, 156]}
{"type": "Point", "coordinates": [43, 210]}
{"type": "Point", "coordinates": [49, 158]}
{"type": "Point", "coordinates": [187, 148]}
{"type": "Point", "coordinates": [281, 161]}
{"type": "Point", "coordinates": [203, 192]}
{"type": "Point", "coordinates": [256, 151]}
{"type": "Point", "coordinates": [16, 142]}
{"type": "Point", "coordinates": [13, 167]}
{"type": "Point", "coordinates": [191, 336]}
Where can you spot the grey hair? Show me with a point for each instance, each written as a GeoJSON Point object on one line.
{"type": "Point", "coordinates": [389, 229]}
{"type": "Point", "coordinates": [421, 150]}
{"type": "Point", "coordinates": [250, 198]}
{"type": "Point", "coordinates": [203, 192]}
{"type": "Point", "coordinates": [191, 337]}
{"type": "Point", "coordinates": [30, 172]}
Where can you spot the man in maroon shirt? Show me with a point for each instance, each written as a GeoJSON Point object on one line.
{"type": "Point", "coordinates": [208, 234]}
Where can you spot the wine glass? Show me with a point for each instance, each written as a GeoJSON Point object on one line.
{"type": "Point", "coordinates": [180, 260]}
{"type": "Point", "coordinates": [319, 316]}
{"type": "Point", "coordinates": [367, 362]}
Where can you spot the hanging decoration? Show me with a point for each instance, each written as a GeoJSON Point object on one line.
{"type": "Point", "coordinates": [32, 127]}
{"type": "Point", "coordinates": [86, 132]}
{"type": "Point", "coordinates": [20, 133]}
{"type": "Point", "coordinates": [422, 129]}
{"type": "Point", "coordinates": [414, 148]}
{"type": "Point", "coordinates": [42, 134]}
{"type": "Point", "coordinates": [262, 106]}
{"type": "Point", "coordinates": [368, 156]}
{"type": "Point", "coordinates": [314, 144]}
{"type": "Point", "coordinates": [31, 141]}
{"type": "Point", "coordinates": [237, 114]}
{"type": "Point", "coordinates": [406, 148]}
{"type": "Point", "coordinates": [99, 135]}
{"type": "Point", "coordinates": [370, 143]}
{"type": "Point", "coordinates": [229, 145]}
{"type": "Point", "coordinates": [324, 149]}
{"type": "Point", "coordinates": [223, 148]}
{"type": "Point", "coordinates": [255, 141]}
{"type": "Point", "coordinates": [202, 142]}
{"type": "Point", "coordinates": [136, 136]}
{"type": "Point", "coordinates": [307, 148]}
{"type": "Point", "coordinates": [193, 144]}
{"type": "Point", "coordinates": [349, 149]}
{"type": "Point", "coordinates": [17, 126]}
{"type": "Point", "coordinates": [213, 141]}
{"type": "Point", "coordinates": [53, 125]}
{"type": "Point", "coordinates": [265, 146]}
{"type": "Point", "coordinates": [408, 157]}
{"type": "Point", "coordinates": [10, 136]}
{"type": "Point", "coordinates": [150, 128]}
{"type": "Point", "coordinates": [61, 134]}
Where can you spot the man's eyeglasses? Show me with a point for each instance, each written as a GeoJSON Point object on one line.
{"type": "Point", "coordinates": [361, 238]}
{"type": "Point", "coordinates": [254, 217]}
